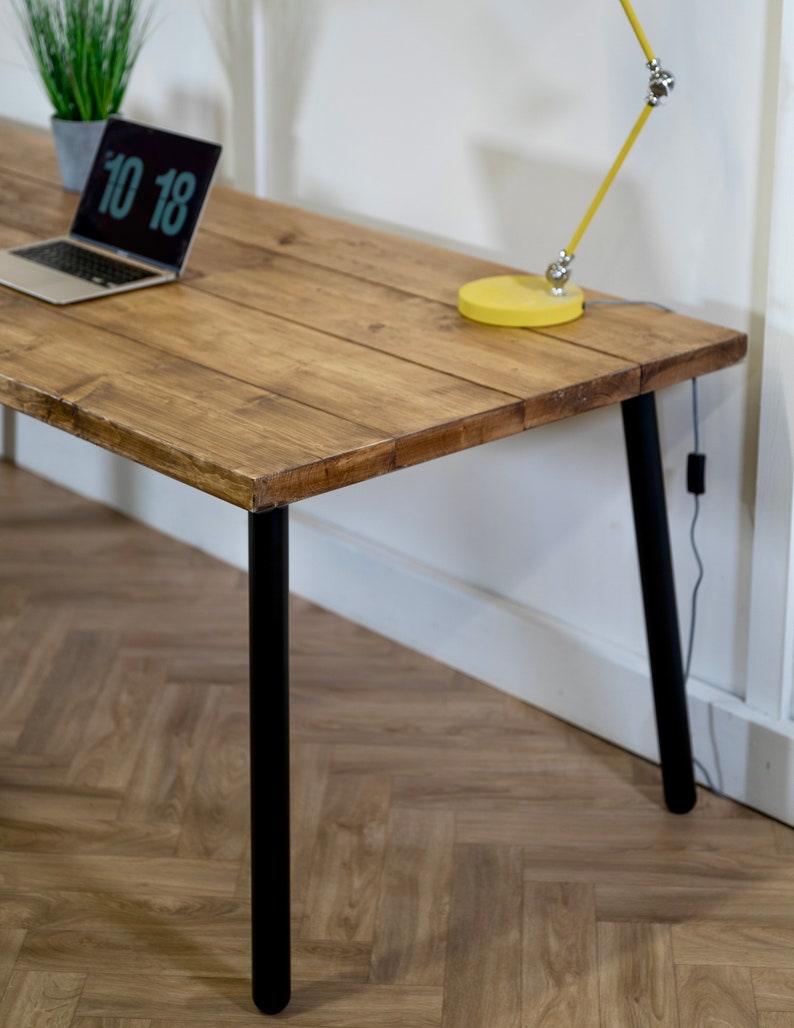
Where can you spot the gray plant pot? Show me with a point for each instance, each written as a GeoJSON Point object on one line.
{"type": "Point", "coordinates": [76, 144]}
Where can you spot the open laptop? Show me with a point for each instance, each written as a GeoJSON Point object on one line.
{"type": "Point", "coordinates": [135, 222]}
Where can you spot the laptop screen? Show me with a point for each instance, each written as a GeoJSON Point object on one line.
{"type": "Point", "coordinates": [145, 192]}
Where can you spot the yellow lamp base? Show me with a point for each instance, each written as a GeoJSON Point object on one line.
{"type": "Point", "coordinates": [521, 301]}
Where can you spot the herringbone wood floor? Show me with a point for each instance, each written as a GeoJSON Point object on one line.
{"type": "Point", "coordinates": [460, 860]}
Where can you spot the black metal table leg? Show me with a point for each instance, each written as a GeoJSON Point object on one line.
{"type": "Point", "coordinates": [268, 574]}
{"type": "Point", "coordinates": [658, 591]}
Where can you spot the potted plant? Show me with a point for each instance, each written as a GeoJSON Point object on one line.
{"type": "Point", "coordinates": [84, 52]}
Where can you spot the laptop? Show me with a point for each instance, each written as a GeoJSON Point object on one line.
{"type": "Point", "coordinates": [134, 224]}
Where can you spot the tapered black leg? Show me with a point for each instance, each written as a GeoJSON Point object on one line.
{"type": "Point", "coordinates": [268, 573]}
{"type": "Point", "coordinates": [658, 591]}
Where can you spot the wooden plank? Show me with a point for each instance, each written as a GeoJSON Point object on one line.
{"type": "Point", "coordinates": [309, 765]}
{"type": "Point", "coordinates": [212, 431]}
{"type": "Point", "coordinates": [81, 667]}
{"type": "Point", "coordinates": [483, 983]}
{"type": "Point", "coordinates": [750, 945]}
{"type": "Point", "coordinates": [412, 922]}
{"type": "Point", "coordinates": [49, 905]}
{"type": "Point", "coordinates": [166, 770]}
{"type": "Point", "coordinates": [28, 151]}
{"type": "Point", "coordinates": [430, 334]}
{"type": "Point", "coordinates": [560, 978]}
{"type": "Point", "coordinates": [715, 996]}
{"type": "Point", "coordinates": [11, 940]}
{"type": "Point", "coordinates": [215, 821]}
{"type": "Point", "coordinates": [25, 659]}
{"type": "Point", "coordinates": [116, 730]}
{"type": "Point", "coordinates": [33, 999]}
{"type": "Point", "coordinates": [636, 977]}
{"type": "Point", "coordinates": [171, 952]}
{"type": "Point", "coordinates": [356, 251]}
{"type": "Point", "coordinates": [388, 393]}
{"type": "Point", "coordinates": [669, 347]}
{"type": "Point", "coordinates": [352, 838]}
{"type": "Point", "coordinates": [531, 824]}
{"type": "Point", "coordinates": [31, 210]}
{"type": "Point", "coordinates": [117, 1022]}
{"type": "Point", "coordinates": [725, 904]}
{"type": "Point", "coordinates": [775, 1019]}
{"type": "Point", "coordinates": [127, 876]}
{"type": "Point", "coordinates": [225, 1001]}
{"type": "Point", "coordinates": [774, 988]}
{"type": "Point", "coordinates": [428, 271]}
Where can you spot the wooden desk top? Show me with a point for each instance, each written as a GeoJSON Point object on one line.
{"type": "Point", "coordinates": [300, 354]}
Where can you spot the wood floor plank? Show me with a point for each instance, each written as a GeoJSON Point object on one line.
{"type": "Point", "coordinates": [547, 825]}
{"type": "Point", "coordinates": [36, 804]}
{"type": "Point", "coordinates": [116, 729]}
{"type": "Point", "coordinates": [122, 875]}
{"type": "Point", "coordinates": [83, 837]}
{"type": "Point", "coordinates": [25, 658]}
{"type": "Point", "coordinates": [749, 945]}
{"type": "Point", "coordinates": [56, 723]}
{"type": "Point", "coordinates": [716, 997]}
{"type": "Point", "coordinates": [181, 950]}
{"type": "Point", "coordinates": [774, 988]}
{"type": "Point", "coordinates": [309, 764]}
{"type": "Point", "coordinates": [749, 904]}
{"type": "Point", "coordinates": [214, 824]}
{"type": "Point", "coordinates": [11, 940]}
{"type": "Point", "coordinates": [636, 976]}
{"type": "Point", "coordinates": [560, 975]}
{"type": "Point", "coordinates": [111, 1022]}
{"type": "Point", "coordinates": [170, 951]}
{"type": "Point", "coordinates": [34, 999]}
{"type": "Point", "coordinates": [45, 905]}
{"type": "Point", "coordinates": [219, 1001]}
{"type": "Point", "coordinates": [343, 890]}
{"type": "Point", "coordinates": [483, 980]}
{"type": "Point", "coordinates": [550, 760]}
{"type": "Point", "coordinates": [331, 961]}
{"type": "Point", "coordinates": [166, 770]}
{"type": "Point", "coordinates": [413, 912]}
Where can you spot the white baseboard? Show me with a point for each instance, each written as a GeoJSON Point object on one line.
{"type": "Point", "coordinates": [553, 666]}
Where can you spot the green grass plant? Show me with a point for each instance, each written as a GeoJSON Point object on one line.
{"type": "Point", "coordinates": [84, 51]}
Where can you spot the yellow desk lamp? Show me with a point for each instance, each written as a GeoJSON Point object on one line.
{"type": "Point", "coordinates": [534, 300]}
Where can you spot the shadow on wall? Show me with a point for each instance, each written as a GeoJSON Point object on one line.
{"type": "Point", "coordinates": [537, 205]}
{"type": "Point", "coordinates": [259, 45]}
{"type": "Point", "coordinates": [194, 113]}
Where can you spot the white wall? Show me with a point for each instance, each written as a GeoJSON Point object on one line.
{"type": "Point", "coordinates": [492, 125]}
{"type": "Point", "coordinates": [180, 80]}
{"type": "Point", "coordinates": [489, 124]}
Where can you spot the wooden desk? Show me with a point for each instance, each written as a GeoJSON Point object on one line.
{"type": "Point", "coordinates": [300, 355]}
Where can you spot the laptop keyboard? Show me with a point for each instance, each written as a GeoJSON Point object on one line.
{"type": "Point", "coordinates": [83, 263]}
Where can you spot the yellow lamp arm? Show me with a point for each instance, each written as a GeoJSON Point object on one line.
{"type": "Point", "coordinates": [535, 301]}
{"type": "Point", "coordinates": [635, 24]}
{"type": "Point", "coordinates": [660, 86]}
{"type": "Point", "coordinates": [609, 179]}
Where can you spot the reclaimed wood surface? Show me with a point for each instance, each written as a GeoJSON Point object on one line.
{"type": "Point", "coordinates": [300, 353]}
